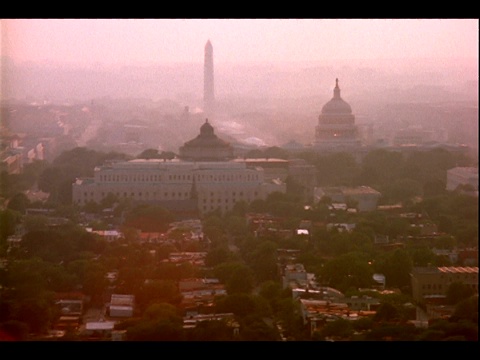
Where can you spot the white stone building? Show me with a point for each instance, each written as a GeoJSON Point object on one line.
{"type": "Point", "coordinates": [462, 176]}
{"type": "Point", "coordinates": [207, 185]}
{"type": "Point", "coordinates": [364, 197]}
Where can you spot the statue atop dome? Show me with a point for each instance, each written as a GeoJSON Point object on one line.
{"type": "Point", "coordinates": [337, 105]}
{"type": "Point", "coordinates": [206, 129]}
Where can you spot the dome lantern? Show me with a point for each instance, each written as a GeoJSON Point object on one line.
{"type": "Point", "coordinates": [336, 105]}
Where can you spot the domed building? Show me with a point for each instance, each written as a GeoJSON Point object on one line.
{"type": "Point", "coordinates": [204, 179]}
{"type": "Point", "coordinates": [206, 147]}
{"type": "Point", "coordinates": [336, 124]}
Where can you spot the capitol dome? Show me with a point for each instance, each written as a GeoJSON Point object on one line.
{"type": "Point", "coordinates": [336, 105]}
{"type": "Point", "coordinates": [336, 124]}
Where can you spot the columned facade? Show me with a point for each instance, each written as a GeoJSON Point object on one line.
{"type": "Point", "coordinates": [204, 178]}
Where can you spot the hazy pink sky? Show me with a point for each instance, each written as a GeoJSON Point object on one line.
{"type": "Point", "coordinates": [126, 41]}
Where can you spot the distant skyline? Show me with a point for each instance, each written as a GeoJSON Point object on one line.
{"type": "Point", "coordinates": [90, 42]}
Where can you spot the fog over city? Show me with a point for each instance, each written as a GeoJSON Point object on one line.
{"type": "Point", "coordinates": [239, 180]}
{"type": "Point", "coordinates": [267, 72]}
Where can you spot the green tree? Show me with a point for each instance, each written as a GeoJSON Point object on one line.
{"type": "Point", "coordinates": [275, 152]}
{"type": "Point", "coordinates": [341, 328]}
{"type": "Point", "coordinates": [239, 209]}
{"type": "Point", "coordinates": [400, 190]}
{"type": "Point", "coordinates": [37, 312]}
{"type": "Point", "coordinates": [258, 206]}
{"type": "Point", "coordinates": [236, 225]}
{"type": "Point", "coordinates": [149, 154]}
{"type": "Point", "coordinates": [434, 187]}
{"type": "Point", "coordinates": [8, 222]}
{"type": "Point", "coordinates": [240, 281]}
{"type": "Point", "coordinates": [336, 169]}
{"type": "Point", "coordinates": [95, 283]}
{"type": "Point", "coordinates": [423, 256]}
{"type": "Point", "coordinates": [458, 291]}
{"type": "Point", "coordinates": [212, 330]}
{"type": "Point", "coordinates": [32, 171]}
{"type": "Point", "coordinates": [240, 304]}
{"type": "Point", "coordinates": [14, 330]}
{"type": "Point", "coordinates": [218, 255]}
{"type": "Point", "coordinates": [387, 312]}
{"type": "Point", "coordinates": [258, 330]}
{"type": "Point", "coordinates": [36, 223]}
{"type": "Point", "coordinates": [163, 330]}
{"type": "Point", "coordinates": [396, 266]}
{"type": "Point", "coordinates": [149, 218]}
{"type": "Point", "coordinates": [263, 261]}
{"type": "Point", "coordinates": [161, 311]}
{"type": "Point", "coordinates": [373, 167]}
{"type": "Point", "coordinates": [466, 310]}
{"type": "Point", "coordinates": [346, 271]}
{"type": "Point", "coordinates": [19, 202]}
{"type": "Point", "coordinates": [224, 271]}
{"type": "Point", "coordinates": [157, 292]}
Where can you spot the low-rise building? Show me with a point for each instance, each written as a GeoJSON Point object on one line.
{"type": "Point", "coordinates": [187, 186]}
{"type": "Point", "coordinates": [121, 305]}
{"type": "Point", "coordinates": [191, 321]}
{"type": "Point", "coordinates": [199, 295]}
{"type": "Point", "coordinates": [462, 176]}
{"type": "Point", "coordinates": [71, 308]}
{"type": "Point", "coordinates": [100, 330]}
{"type": "Point", "coordinates": [431, 283]}
{"type": "Point", "coordinates": [294, 272]}
{"type": "Point", "coordinates": [363, 198]}
{"type": "Point", "coordinates": [316, 313]}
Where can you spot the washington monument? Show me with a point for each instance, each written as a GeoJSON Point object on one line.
{"type": "Point", "coordinates": [208, 85]}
